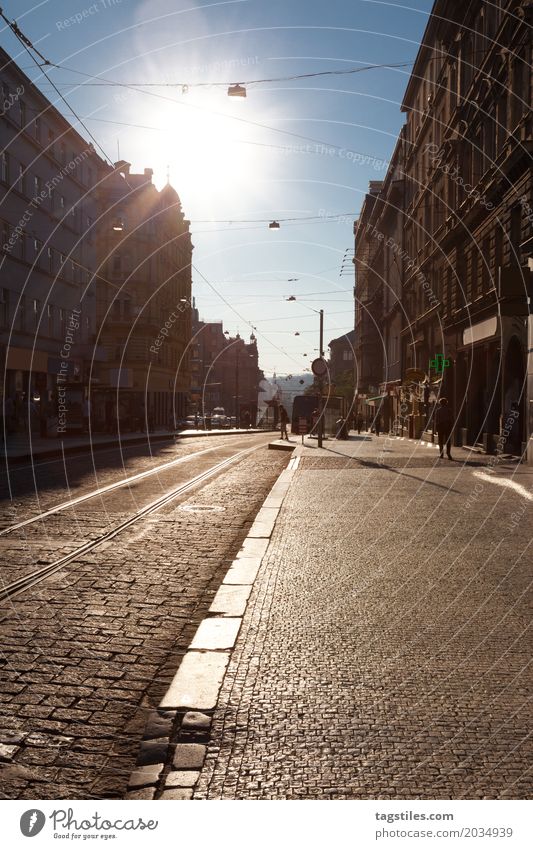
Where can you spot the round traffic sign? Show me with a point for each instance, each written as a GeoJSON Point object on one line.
{"type": "Point", "coordinates": [319, 367]}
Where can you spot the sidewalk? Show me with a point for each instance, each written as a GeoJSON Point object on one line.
{"type": "Point", "coordinates": [383, 651]}
{"type": "Point", "coordinates": [19, 447]}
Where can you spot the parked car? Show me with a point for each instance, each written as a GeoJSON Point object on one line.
{"type": "Point", "coordinates": [218, 421]}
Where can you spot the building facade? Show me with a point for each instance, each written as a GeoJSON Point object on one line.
{"type": "Point", "coordinates": [48, 211]}
{"type": "Point", "coordinates": [225, 372]}
{"type": "Point", "coordinates": [144, 303]}
{"type": "Point", "coordinates": [464, 160]}
{"type": "Point", "coordinates": [368, 293]}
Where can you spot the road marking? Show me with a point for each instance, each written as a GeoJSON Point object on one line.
{"type": "Point", "coordinates": [521, 490]}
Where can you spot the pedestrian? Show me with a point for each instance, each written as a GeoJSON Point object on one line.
{"type": "Point", "coordinates": [341, 426]}
{"type": "Point", "coordinates": [283, 421]}
{"type": "Point", "coordinates": [196, 420]}
{"type": "Point", "coordinates": [9, 411]}
{"type": "Point", "coordinates": [86, 412]}
{"type": "Point", "coordinates": [444, 425]}
{"type": "Point", "coordinates": [359, 422]}
{"type": "Point", "coordinates": [377, 424]}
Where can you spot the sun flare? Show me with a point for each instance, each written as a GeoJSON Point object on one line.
{"type": "Point", "coordinates": [203, 150]}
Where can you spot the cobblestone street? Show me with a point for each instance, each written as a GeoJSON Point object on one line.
{"type": "Point", "coordinates": [87, 652]}
{"type": "Point", "coordinates": [386, 648]}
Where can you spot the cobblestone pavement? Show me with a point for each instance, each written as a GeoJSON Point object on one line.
{"type": "Point", "coordinates": [61, 533]}
{"type": "Point", "coordinates": [386, 648]}
{"type": "Point", "coordinates": [33, 487]}
{"type": "Point", "coordinates": [89, 651]}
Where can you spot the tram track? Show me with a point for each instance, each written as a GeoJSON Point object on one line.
{"type": "Point", "coordinates": [73, 502]}
{"type": "Point", "coordinates": [38, 575]}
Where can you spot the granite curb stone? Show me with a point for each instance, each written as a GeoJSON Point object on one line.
{"type": "Point", "coordinates": [196, 685]}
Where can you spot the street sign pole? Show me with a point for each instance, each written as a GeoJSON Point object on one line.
{"type": "Point", "coordinates": [320, 383]}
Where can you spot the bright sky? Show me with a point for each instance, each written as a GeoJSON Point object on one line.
{"type": "Point", "coordinates": [228, 157]}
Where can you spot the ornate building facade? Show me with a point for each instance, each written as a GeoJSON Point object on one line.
{"type": "Point", "coordinates": [144, 302]}
{"type": "Point", "coordinates": [464, 161]}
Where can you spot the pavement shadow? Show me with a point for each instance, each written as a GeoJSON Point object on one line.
{"type": "Point", "coordinates": [372, 464]}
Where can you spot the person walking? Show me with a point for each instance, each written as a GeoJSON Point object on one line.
{"type": "Point", "coordinates": [86, 413]}
{"type": "Point", "coordinates": [444, 425]}
{"type": "Point", "coordinates": [283, 421]}
{"type": "Point", "coordinates": [377, 424]}
{"type": "Point", "coordinates": [359, 423]}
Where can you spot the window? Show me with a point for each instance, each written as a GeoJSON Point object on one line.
{"type": "Point", "coordinates": [5, 167]}
{"type": "Point", "coordinates": [4, 307]}
{"type": "Point", "coordinates": [501, 118]}
{"type": "Point", "coordinates": [62, 203]}
{"type": "Point", "coordinates": [517, 105]}
{"type": "Point", "coordinates": [21, 181]}
{"type": "Point", "coordinates": [515, 234]}
{"type": "Point", "coordinates": [127, 308]}
{"type": "Point", "coordinates": [36, 310]}
{"type": "Point", "coordinates": [37, 128]}
{"type": "Point", "coordinates": [22, 313]}
{"type": "Point", "coordinates": [22, 246]}
{"type": "Point", "coordinates": [63, 153]}
{"type": "Point", "coordinates": [117, 264]}
{"type": "Point", "coordinates": [498, 247]}
{"type": "Point", "coordinates": [485, 277]}
{"type": "Point", "coordinates": [116, 310]}
{"type": "Point", "coordinates": [5, 235]}
{"type": "Point", "coordinates": [51, 140]}
{"type": "Point", "coordinates": [37, 247]}
{"type": "Point", "coordinates": [50, 315]}
{"type": "Point", "coordinates": [62, 321]}
{"type": "Point", "coordinates": [22, 113]}
{"type": "Point", "coordinates": [62, 266]}
{"type": "Point", "coordinates": [73, 272]}
{"type": "Point", "coordinates": [36, 186]}
{"type": "Point", "coordinates": [50, 253]}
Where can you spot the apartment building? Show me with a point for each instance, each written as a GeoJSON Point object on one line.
{"type": "Point", "coordinates": [48, 212]}
{"type": "Point", "coordinates": [463, 170]}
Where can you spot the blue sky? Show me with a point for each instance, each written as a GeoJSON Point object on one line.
{"type": "Point", "coordinates": [228, 158]}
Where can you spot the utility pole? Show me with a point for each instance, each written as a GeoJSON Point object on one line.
{"type": "Point", "coordinates": [237, 423]}
{"type": "Point", "coordinates": [320, 383]}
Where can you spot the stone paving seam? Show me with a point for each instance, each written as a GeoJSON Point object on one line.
{"type": "Point", "coordinates": [193, 693]}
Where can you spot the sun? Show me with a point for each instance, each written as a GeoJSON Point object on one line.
{"type": "Point", "coordinates": [204, 148]}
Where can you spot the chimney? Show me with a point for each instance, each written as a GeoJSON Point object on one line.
{"type": "Point", "coordinates": [148, 172]}
{"type": "Point", "coordinates": [123, 167]}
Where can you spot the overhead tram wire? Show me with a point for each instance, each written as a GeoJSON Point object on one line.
{"type": "Point", "coordinates": [238, 118]}
{"type": "Point", "coordinates": [217, 84]}
{"type": "Point", "coordinates": [242, 318]}
{"type": "Point", "coordinates": [28, 46]}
